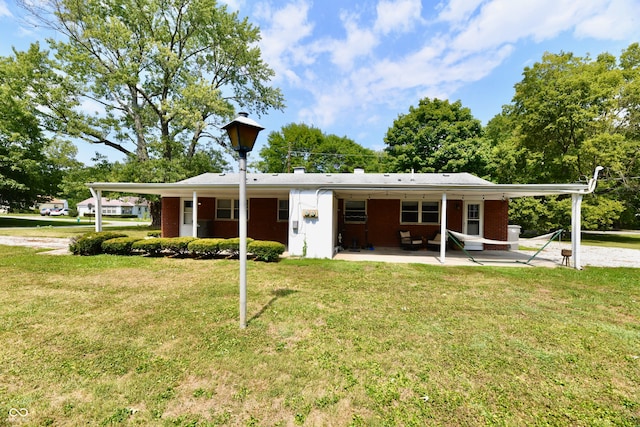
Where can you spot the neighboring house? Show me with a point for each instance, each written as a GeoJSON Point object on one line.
{"type": "Point", "coordinates": [115, 207]}
{"type": "Point", "coordinates": [313, 214]}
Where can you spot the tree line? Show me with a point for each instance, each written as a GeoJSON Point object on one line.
{"type": "Point", "coordinates": [154, 80]}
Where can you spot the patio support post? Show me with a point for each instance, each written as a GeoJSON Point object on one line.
{"type": "Point", "coordinates": [576, 204]}
{"type": "Point", "coordinates": [443, 228]}
{"type": "Point", "coordinates": [97, 194]}
{"type": "Point", "coordinates": [195, 215]}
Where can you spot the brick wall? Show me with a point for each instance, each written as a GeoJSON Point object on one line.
{"type": "Point", "coordinates": [170, 217]}
{"type": "Point", "coordinates": [496, 221]}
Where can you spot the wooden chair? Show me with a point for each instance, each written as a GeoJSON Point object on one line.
{"type": "Point", "coordinates": [409, 243]}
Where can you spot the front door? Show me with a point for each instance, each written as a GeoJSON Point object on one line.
{"type": "Point", "coordinates": [473, 224]}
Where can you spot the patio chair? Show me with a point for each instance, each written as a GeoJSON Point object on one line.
{"type": "Point", "coordinates": [436, 241]}
{"type": "Point", "coordinates": [408, 242]}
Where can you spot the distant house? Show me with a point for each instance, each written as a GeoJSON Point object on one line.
{"type": "Point", "coordinates": [134, 206]}
{"type": "Point", "coordinates": [54, 204]}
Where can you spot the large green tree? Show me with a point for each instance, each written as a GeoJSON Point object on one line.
{"type": "Point", "coordinates": [27, 173]}
{"type": "Point", "coordinates": [153, 79]}
{"type": "Point", "coordinates": [570, 114]}
{"type": "Point", "coordinates": [437, 136]}
{"type": "Point", "coordinates": [300, 145]}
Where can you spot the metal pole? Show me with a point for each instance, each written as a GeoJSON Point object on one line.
{"type": "Point", "coordinates": [242, 226]}
{"type": "Point", "coordinates": [443, 228]}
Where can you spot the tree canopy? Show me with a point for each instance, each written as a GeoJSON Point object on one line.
{"type": "Point", "coordinates": [153, 79]}
{"type": "Point", "coordinates": [300, 145]}
{"type": "Point", "coordinates": [437, 136]}
{"type": "Point", "coordinates": [26, 172]}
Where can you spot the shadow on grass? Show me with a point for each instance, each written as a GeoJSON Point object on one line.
{"type": "Point", "coordinates": [25, 222]}
{"type": "Point", "coordinates": [277, 294]}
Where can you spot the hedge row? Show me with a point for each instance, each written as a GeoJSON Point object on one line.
{"type": "Point", "coordinates": [95, 243]}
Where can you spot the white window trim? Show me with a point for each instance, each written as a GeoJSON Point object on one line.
{"type": "Point", "coordinates": [366, 207]}
{"type": "Point", "coordinates": [419, 201]}
{"type": "Point", "coordinates": [278, 210]}
{"type": "Point", "coordinates": [233, 210]}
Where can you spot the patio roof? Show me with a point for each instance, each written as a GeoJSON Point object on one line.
{"type": "Point", "coordinates": [456, 185]}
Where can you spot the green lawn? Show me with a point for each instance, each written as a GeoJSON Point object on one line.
{"type": "Point", "coordinates": [112, 340]}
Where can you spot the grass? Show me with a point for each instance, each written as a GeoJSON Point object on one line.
{"type": "Point", "coordinates": [110, 340]}
{"type": "Point", "coordinates": [63, 227]}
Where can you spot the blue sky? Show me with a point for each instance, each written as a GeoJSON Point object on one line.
{"type": "Point", "coordinates": [351, 67]}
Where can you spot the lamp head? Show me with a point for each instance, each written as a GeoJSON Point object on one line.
{"type": "Point", "coordinates": [243, 133]}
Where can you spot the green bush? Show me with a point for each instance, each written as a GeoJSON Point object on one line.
{"type": "Point", "coordinates": [232, 246]}
{"type": "Point", "coordinates": [91, 243]}
{"type": "Point", "coordinates": [265, 250]}
{"type": "Point", "coordinates": [154, 233]}
{"type": "Point", "coordinates": [119, 245]}
{"type": "Point", "coordinates": [176, 245]}
{"type": "Point", "coordinates": [205, 247]}
{"type": "Point", "coordinates": [151, 247]}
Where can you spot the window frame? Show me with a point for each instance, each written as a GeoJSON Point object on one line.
{"type": "Point", "coordinates": [234, 209]}
{"type": "Point", "coordinates": [420, 212]}
{"type": "Point", "coordinates": [363, 212]}
{"type": "Point", "coordinates": [280, 210]}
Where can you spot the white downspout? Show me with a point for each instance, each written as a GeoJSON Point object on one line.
{"type": "Point", "coordinates": [194, 228]}
{"type": "Point", "coordinates": [97, 194]}
{"type": "Point", "coordinates": [443, 228]}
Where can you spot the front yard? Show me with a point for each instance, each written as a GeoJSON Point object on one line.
{"type": "Point", "coordinates": [155, 341]}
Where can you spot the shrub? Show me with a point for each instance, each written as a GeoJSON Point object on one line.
{"type": "Point", "coordinates": [232, 246]}
{"type": "Point", "coordinates": [154, 233]}
{"type": "Point", "coordinates": [151, 247]}
{"type": "Point", "coordinates": [205, 247]}
{"type": "Point", "coordinates": [91, 243]}
{"type": "Point", "coordinates": [176, 245]}
{"type": "Point", "coordinates": [119, 245]}
{"type": "Point", "coordinates": [265, 250]}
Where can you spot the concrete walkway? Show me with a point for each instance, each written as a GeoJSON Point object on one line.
{"type": "Point", "coordinates": [594, 256]}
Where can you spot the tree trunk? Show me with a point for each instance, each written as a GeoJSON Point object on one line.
{"type": "Point", "coordinates": [155, 208]}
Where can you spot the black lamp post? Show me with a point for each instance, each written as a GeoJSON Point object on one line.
{"type": "Point", "coordinates": [243, 133]}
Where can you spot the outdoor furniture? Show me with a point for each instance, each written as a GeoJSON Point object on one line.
{"type": "Point", "coordinates": [436, 241]}
{"type": "Point", "coordinates": [408, 242]}
{"type": "Point", "coordinates": [566, 255]}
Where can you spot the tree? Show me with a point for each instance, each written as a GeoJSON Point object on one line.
{"type": "Point", "coordinates": [570, 114]}
{"type": "Point", "coordinates": [27, 175]}
{"type": "Point", "coordinates": [306, 146]}
{"type": "Point", "coordinates": [164, 74]}
{"type": "Point", "coordinates": [437, 136]}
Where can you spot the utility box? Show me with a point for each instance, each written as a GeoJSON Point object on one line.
{"type": "Point", "coordinates": [514, 236]}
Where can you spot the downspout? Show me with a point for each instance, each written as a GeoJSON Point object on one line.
{"type": "Point", "coordinates": [443, 228]}
{"type": "Point", "coordinates": [97, 194]}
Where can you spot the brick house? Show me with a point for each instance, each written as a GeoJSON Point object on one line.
{"type": "Point", "coordinates": [313, 214]}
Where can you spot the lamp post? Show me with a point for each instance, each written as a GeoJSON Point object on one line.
{"type": "Point", "coordinates": [243, 133]}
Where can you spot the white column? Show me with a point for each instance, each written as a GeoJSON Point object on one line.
{"type": "Point", "coordinates": [443, 228]}
{"type": "Point", "coordinates": [97, 194]}
{"type": "Point", "coordinates": [195, 215]}
{"type": "Point", "coordinates": [576, 216]}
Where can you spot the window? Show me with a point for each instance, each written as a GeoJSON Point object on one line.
{"type": "Point", "coordinates": [188, 212]}
{"type": "Point", "coordinates": [355, 211]}
{"type": "Point", "coordinates": [283, 210]}
{"type": "Point", "coordinates": [224, 210]}
{"type": "Point", "coordinates": [420, 212]}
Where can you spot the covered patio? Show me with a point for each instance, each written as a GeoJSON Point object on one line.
{"type": "Point", "coordinates": [550, 257]}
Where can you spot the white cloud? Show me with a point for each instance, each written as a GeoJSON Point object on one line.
{"type": "Point", "coordinates": [4, 9]}
{"type": "Point", "coordinates": [619, 20]}
{"type": "Point", "coordinates": [457, 11]}
{"type": "Point", "coordinates": [358, 43]}
{"type": "Point", "coordinates": [282, 36]}
{"type": "Point", "coordinates": [398, 15]}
